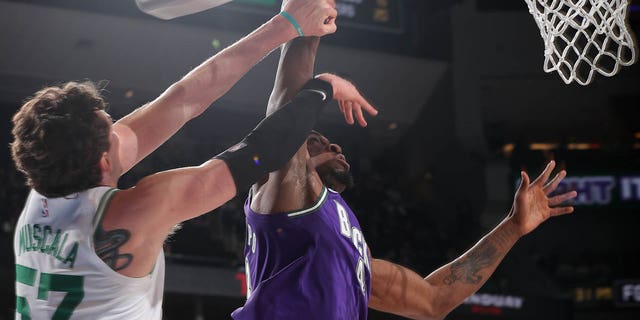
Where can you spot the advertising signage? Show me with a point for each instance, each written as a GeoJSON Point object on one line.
{"type": "Point", "coordinates": [487, 305]}
{"type": "Point", "coordinates": [627, 293]}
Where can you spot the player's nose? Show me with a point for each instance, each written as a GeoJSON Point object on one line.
{"type": "Point", "coordinates": [335, 148]}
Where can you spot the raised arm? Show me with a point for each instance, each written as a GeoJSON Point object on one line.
{"type": "Point", "coordinates": [296, 185]}
{"type": "Point", "coordinates": [398, 290]}
{"type": "Point", "coordinates": [142, 131]}
{"type": "Point", "coordinates": [295, 68]}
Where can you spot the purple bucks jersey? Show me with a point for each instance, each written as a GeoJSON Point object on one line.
{"type": "Point", "coordinates": [308, 264]}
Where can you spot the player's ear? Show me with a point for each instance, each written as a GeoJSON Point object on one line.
{"type": "Point", "coordinates": [105, 164]}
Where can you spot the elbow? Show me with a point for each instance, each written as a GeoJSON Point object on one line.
{"type": "Point", "coordinates": [440, 316]}
{"type": "Point", "coordinates": [433, 310]}
{"type": "Point", "coordinates": [441, 309]}
{"type": "Point", "coordinates": [420, 310]}
{"type": "Point", "coordinates": [432, 314]}
{"type": "Point", "coordinates": [442, 312]}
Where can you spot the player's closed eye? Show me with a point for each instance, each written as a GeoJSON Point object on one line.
{"type": "Point", "coordinates": [313, 140]}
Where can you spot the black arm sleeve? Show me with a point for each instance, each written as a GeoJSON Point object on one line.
{"type": "Point", "coordinates": [272, 143]}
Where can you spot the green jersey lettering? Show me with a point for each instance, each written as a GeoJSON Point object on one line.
{"type": "Point", "coordinates": [64, 240]}
{"type": "Point", "coordinates": [71, 257]}
{"type": "Point", "coordinates": [53, 247]}
{"type": "Point", "coordinates": [45, 230]}
{"type": "Point", "coordinates": [36, 238]}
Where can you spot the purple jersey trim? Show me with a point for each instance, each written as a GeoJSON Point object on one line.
{"type": "Point", "coordinates": [308, 264]}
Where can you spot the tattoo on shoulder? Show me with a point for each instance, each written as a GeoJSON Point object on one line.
{"type": "Point", "coordinates": [467, 269]}
{"type": "Point", "coordinates": [107, 245]}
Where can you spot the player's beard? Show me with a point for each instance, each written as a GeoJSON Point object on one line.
{"type": "Point", "coordinates": [332, 177]}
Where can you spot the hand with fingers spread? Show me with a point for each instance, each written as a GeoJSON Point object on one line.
{"type": "Point", "coordinates": [532, 204]}
{"type": "Point", "coordinates": [349, 99]}
{"type": "Point", "coordinates": [315, 17]}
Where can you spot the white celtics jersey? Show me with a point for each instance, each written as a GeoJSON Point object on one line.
{"type": "Point", "coordinates": [58, 274]}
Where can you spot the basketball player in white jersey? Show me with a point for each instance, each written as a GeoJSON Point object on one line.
{"type": "Point", "coordinates": [86, 250]}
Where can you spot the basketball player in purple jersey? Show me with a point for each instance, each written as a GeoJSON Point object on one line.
{"type": "Point", "coordinates": [306, 257]}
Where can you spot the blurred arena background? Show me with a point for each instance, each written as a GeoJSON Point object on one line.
{"type": "Point", "coordinates": [464, 106]}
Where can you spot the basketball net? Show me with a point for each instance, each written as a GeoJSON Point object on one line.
{"type": "Point", "coordinates": [584, 36]}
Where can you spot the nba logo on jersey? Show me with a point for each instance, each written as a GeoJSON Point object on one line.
{"type": "Point", "coordinates": [45, 208]}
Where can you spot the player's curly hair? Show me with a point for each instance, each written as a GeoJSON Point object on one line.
{"type": "Point", "coordinates": [59, 139]}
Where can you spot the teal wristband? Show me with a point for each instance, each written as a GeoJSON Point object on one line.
{"type": "Point", "coordinates": [293, 22]}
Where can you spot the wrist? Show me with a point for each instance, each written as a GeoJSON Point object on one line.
{"type": "Point", "coordinates": [504, 235]}
{"type": "Point", "coordinates": [319, 84]}
{"type": "Point", "coordinates": [512, 229]}
{"type": "Point", "coordinates": [294, 23]}
{"type": "Point", "coordinates": [284, 26]}
{"type": "Point", "coordinates": [326, 77]}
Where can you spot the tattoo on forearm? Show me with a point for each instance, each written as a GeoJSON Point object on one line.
{"type": "Point", "coordinates": [466, 270]}
{"type": "Point", "coordinates": [108, 243]}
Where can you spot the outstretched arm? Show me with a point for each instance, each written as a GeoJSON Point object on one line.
{"type": "Point", "coordinates": [282, 190]}
{"type": "Point", "coordinates": [398, 290]}
{"type": "Point", "coordinates": [295, 68]}
{"type": "Point", "coordinates": [142, 131]}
